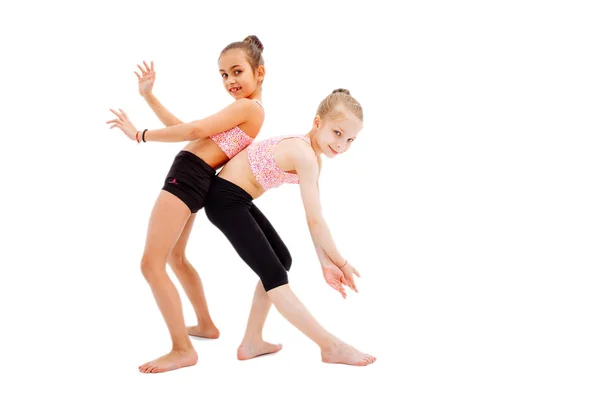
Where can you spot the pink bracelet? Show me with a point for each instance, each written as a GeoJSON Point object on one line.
{"type": "Point", "coordinates": [344, 264]}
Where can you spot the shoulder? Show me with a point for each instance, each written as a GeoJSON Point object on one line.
{"type": "Point", "coordinates": [248, 106]}
{"type": "Point", "coordinates": [301, 154]}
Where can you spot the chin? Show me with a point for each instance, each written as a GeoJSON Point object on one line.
{"type": "Point", "coordinates": [330, 153]}
{"type": "Point", "coordinates": [237, 95]}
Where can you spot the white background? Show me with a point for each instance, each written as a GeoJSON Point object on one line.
{"type": "Point", "coordinates": [470, 202]}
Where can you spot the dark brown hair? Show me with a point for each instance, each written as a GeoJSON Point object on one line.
{"type": "Point", "coordinates": [253, 48]}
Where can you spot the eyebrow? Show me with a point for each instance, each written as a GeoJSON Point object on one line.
{"type": "Point", "coordinates": [236, 65]}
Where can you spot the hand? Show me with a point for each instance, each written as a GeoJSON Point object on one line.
{"type": "Point", "coordinates": [123, 123]}
{"type": "Point", "coordinates": [349, 271]}
{"type": "Point", "coordinates": [335, 278]}
{"type": "Point", "coordinates": [146, 80]}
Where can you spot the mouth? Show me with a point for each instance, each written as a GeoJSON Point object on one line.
{"type": "Point", "coordinates": [235, 90]}
{"type": "Point", "coordinates": [333, 151]}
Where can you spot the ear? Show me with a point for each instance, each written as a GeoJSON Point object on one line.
{"type": "Point", "coordinates": [260, 73]}
{"type": "Point", "coordinates": [317, 122]}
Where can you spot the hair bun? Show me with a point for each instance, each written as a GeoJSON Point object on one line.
{"type": "Point", "coordinates": [255, 41]}
{"type": "Point", "coordinates": [345, 91]}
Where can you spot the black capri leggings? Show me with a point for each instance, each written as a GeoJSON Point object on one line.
{"type": "Point", "coordinates": [230, 208]}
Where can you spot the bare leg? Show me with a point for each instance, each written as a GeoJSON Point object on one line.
{"type": "Point", "coordinates": [192, 284]}
{"type": "Point", "coordinates": [253, 344]}
{"type": "Point", "coordinates": [333, 350]}
{"type": "Point", "coordinates": [168, 218]}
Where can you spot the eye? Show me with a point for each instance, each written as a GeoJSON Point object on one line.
{"type": "Point", "coordinates": [338, 133]}
{"type": "Point", "coordinates": [350, 140]}
{"type": "Point", "coordinates": [237, 72]}
{"type": "Point", "coordinates": [223, 75]}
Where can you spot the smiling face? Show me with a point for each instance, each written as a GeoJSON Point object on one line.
{"type": "Point", "coordinates": [335, 133]}
{"type": "Point", "coordinates": [239, 79]}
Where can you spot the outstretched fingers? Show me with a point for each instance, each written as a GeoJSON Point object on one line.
{"type": "Point", "coordinates": [119, 116]}
{"type": "Point", "coordinates": [146, 70]}
{"type": "Point", "coordinates": [338, 286]}
{"type": "Point", "coordinates": [351, 283]}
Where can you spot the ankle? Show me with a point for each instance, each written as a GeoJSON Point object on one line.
{"type": "Point", "coordinates": [253, 338]}
{"type": "Point", "coordinates": [330, 344]}
{"type": "Point", "coordinates": [183, 346]}
{"type": "Point", "coordinates": [183, 349]}
{"type": "Point", "coordinates": [203, 321]}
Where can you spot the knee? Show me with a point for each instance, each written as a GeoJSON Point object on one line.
{"type": "Point", "coordinates": [275, 291]}
{"type": "Point", "coordinates": [177, 259]}
{"type": "Point", "coordinates": [151, 266]}
{"type": "Point", "coordinates": [274, 281]}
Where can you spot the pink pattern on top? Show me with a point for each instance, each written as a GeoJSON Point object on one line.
{"type": "Point", "coordinates": [262, 163]}
{"type": "Point", "coordinates": [234, 140]}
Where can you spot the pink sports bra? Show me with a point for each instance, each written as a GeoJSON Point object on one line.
{"type": "Point", "coordinates": [233, 141]}
{"type": "Point", "coordinates": [262, 163]}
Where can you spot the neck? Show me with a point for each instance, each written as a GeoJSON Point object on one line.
{"type": "Point", "coordinates": [313, 143]}
{"type": "Point", "coordinates": [257, 95]}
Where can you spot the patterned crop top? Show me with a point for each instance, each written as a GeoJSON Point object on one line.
{"type": "Point", "coordinates": [233, 141]}
{"type": "Point", "coordinates": [262, 163]}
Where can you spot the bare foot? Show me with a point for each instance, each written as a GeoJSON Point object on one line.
{"type": "Point", "coordinates": [257, 348]}
{"type": "Point", "coordinates": [342, 353]}
{"type": "Point", "coordinates": [173, 360]}
{"type": "Point", "coordinates": [208, 332]}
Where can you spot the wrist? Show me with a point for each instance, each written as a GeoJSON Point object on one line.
{"type": "Point", "coordinates": [342, 265]}
{"type": "Point", "coordinates": [147, 96]}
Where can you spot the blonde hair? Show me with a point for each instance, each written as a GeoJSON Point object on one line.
{"type": "Point", "coordinates": [339, 96]}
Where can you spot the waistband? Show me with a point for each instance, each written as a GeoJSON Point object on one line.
{"type": "Point", "coordinates": [231, 188]}
{"type": "Point", "coordinates": [188, 155]}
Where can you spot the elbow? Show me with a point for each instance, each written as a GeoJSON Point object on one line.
{"type": "Point", "coordinates": [313, 221]}
{"type": "Point", "coordinates": [174, 122]}
{"type": "Point", "coordinates": [196, 132]}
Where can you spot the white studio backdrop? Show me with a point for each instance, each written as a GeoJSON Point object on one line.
{"type": "Point", "coordinates": [469, 202]}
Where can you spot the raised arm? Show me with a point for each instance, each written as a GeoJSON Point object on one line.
{"type": "Point", "coordinates": [145, 84]}
{"type": "Point", "coordinates": [234, 114]}
{"type": "Point", "coordinates": [165, 116]}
